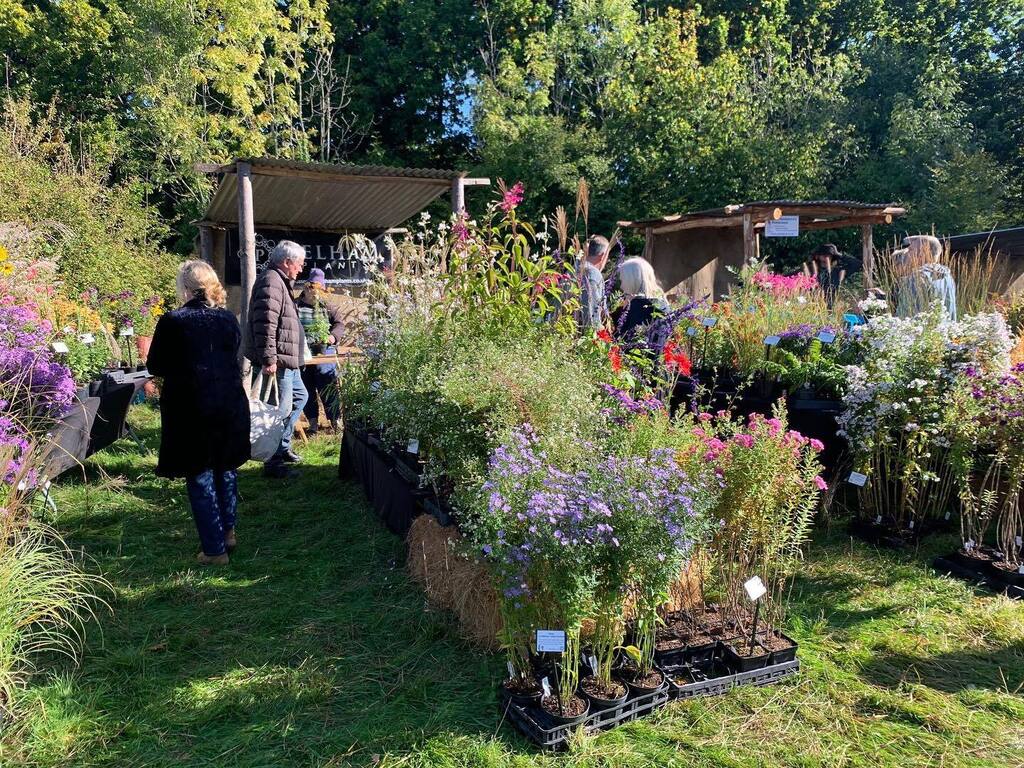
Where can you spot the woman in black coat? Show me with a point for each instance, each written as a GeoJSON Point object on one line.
{"type": "Point", "coordinates": [204, 412]}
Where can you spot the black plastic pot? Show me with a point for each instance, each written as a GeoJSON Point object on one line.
{"type": "Point", "coordinates": [564, 719]}
{"type": "Point", "coordinates": [739, 663]}
{"type": "Point", "coordinates": [1012, 578]}
{"type": "Point", "coordinates": [641, 690]}
{"type": "Point", "coordinates": [598, 704]}
{"type": "Point", "coordinates": [523, 699]}
{"type": "Point", "coordinates": [784, 655]}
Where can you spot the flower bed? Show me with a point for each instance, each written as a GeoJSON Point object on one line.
{"type": "Point", "coordinates": [571, 484]}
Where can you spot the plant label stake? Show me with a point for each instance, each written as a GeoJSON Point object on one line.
{"type": "Point", "coordinates": [511, 673]}
{"type": "Point", "coordinates": [374, 387]}
{"type": "Point", "coordinates": [546, 686]}
{"type": "Point", "coordinates": [550, 641]}
{"type": "Point", "coordinates": [413, 447]}
{"type": "Point", "coordinates": [708, 323]}
{"type": "Point", "coordinates": [947, 515]}
{"type": "Point", "coordinates": [60, 347]}
{"type": "Point", "coordinates": [858, 479]}
{"type": "Point", "coordinates": [690, 332]}
{"type": "Point", "coordinates": [968, 545]}
{"type": "Point", "coordinates": [826, 337]}
{"type": "Point", "coordinates": [88, 339]}
{"type": "Point", "coordinates": [593, 663]}
{"type": "Point", "coordinates": [755, 590]}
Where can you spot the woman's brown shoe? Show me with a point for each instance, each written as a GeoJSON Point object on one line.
{"type": "Point", "coordinates": [204, 559]}
{"type": "Point", "coordinates": [229, 540]}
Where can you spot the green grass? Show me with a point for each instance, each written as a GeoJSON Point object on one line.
{"type": "Point", "coordinates": [314, 648]}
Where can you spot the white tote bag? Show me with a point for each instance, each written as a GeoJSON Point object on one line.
{"type": "Point", "coordinates": [266, 424]}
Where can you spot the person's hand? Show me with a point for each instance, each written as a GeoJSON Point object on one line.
{"type": "Point", "coordinates": [331, 339]}
{"type": "Point", "coordinates": [270, 370]}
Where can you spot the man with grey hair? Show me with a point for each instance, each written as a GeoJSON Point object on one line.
{"type": "Point", "coordinates": [593, 309]}
{"type": "Point", "coordinates": [923, 280]}
{"type": "Point", "coordinates": [275, 343]}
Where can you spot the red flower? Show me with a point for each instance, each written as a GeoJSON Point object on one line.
{"type": "Point", "coordinates": [615, 357]}
{"type": "Point", "coordinates": [676, 358]}
{"type": "Point", "coordinates": [605, 336]}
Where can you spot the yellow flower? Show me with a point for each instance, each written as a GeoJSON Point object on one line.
{"type": "Point", "coordinates": [3, 253]}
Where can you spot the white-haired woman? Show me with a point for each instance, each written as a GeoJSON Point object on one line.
{"type": "Point", "coordinates": [644, 297]}
{"type": "Point", "coordinates": [204, 413]}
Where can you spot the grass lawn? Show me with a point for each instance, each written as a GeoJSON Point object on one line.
{"type": "Point", "coordinates": [314, 648]}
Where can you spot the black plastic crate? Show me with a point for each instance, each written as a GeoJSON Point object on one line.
{"type": "Point", "coordinates": [955, 567]}
{"type": "Point", "coordinates": [535, 725]}
{"type": "Point", "coordinates": [718, 680]}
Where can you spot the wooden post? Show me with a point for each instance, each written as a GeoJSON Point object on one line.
{"type": "Point", "coordinates": [205, 244]}
{"type": "Point", "coordinates": [246, 249]}
{"type": "Point", "coordinates": [458, 195]}
{"type": "Point", "coordinates": [867, 255]}
{"type": "Point", "coordinates": [749, 246]}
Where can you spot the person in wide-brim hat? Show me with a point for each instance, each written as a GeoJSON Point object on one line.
{"type": "Point", "coordinates": [828, 269]}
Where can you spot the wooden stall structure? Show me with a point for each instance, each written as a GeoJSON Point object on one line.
{"type": "Point", "coordinates": [691, 252]}
{"type": "Point", "coordinates": [260, 201]}
{"type": "Point", "coordinates": [1005, 245]}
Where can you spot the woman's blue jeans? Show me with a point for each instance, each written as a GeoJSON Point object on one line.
{"type": "Point", "coordinates": [214, 499]}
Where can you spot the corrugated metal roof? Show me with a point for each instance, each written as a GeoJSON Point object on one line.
{"type": "Point", "coordinates": [1009, 242]}
{"type": "Point", "coordinates": [809, 207]}
{"type": "Point", "coordinates": [288, 194]}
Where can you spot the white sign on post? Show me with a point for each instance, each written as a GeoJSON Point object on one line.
{"type": "Point", "coordinates": [413, 446]}
{"type": "Point", "coordinates": [826, 337]}
{"type": "Point", "coordinates": [710, 322]}
{"type": "Point", "coordinates": [87, 338]}
{"type": "Point", "coordinates": [691, 331]}
{"type": "Point", "coordinates": [128, 331]}
{"type": "Point", "coordinates": [550, 641]}
{"type": "Point", "coordinates": [858, 479]}
{"type": "Point", "coordinates": [755, 589]}
{"type": "Point", "coordinates": [784, 226]}
{"type": "Point", "coordinates": [771, 341]}
{"type": "Point", "coordinates": [60, 347]}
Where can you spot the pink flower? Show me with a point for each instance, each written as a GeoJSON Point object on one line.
{"type": "Point", "coordinates": [747, 441]}
{"type": "Point", "coordinates": [459, 229]}
{"type": "Point", "coordinates": [774, 427]}
{"type": "Point", "coordinates": [705, 417]}
{"type": "Point", "coordinates": [817, 445]}
{"type": "Point", "coordinates": [818, 481]}
{"type": "Point", "coordinates": [513, 197]}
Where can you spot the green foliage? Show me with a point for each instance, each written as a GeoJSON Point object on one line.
{"type": "Point", "coordinates": [103, 238]}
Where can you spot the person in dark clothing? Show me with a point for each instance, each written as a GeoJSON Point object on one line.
{"type": "Point", "coordinates": [830, 267]}
{"type": "Point", "coordinates": [204, 412]}
{"type": "Point", "coordinates": [644, 297]}
{"type": "Point", "coordinates": [320, 380]}
{"type": "Point", "coordinates": [275, 343]}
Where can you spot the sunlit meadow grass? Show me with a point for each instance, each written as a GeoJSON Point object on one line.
{"type": "Point", "coordinates": [313, 648]}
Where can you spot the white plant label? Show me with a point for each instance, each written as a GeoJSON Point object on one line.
{"type": "Point", "coordinates": [826, 337]}
{"type": "Point", "coordinates": [771, 341]}
{"type": "Point", "coordinates": [60, 347]}
{"type": "Point", "coordinates": [969, 545]}
{"type": "Point", "coordinates": [550, 641]}
{"type": "Point", "coordinates": [511, 672]}
{"type": "Point", "coordinates": [858, 479]}
{"type": "Point", "coordinates": [784, 226]}
{"type": "Point", "coordinates": [710, 322]}
{"type": "Point", "coordinates": [129, 331]}
{"type": "Point", "coordinates": [1018, 541]}
{"type": "Point", "coordinates": [1020, 569]}
{"type": "Point", "coordinates": [691, 331]}
{"type": "Point", "coordinates": [593, 663]}
{"type": "Point", "coordinates": [375, 387]}
{"type": "Point", "coordinates": [947, 514]}
{"type": "Point", "coordinates": [87, 338]}
{"type": "Point", "coordinates": [413, 446]}
{"type": "Point", "coordinates": [755, 589]}
{"type": "Point", "coordinates": [546, 686]}
{"type": "Point", "coordinates": [878, 520]}
{"type": "Point", "coordinates": [911, 525]}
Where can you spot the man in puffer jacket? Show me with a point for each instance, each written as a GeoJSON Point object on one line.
{"type": "Point", "coordinates": [275, 343]}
